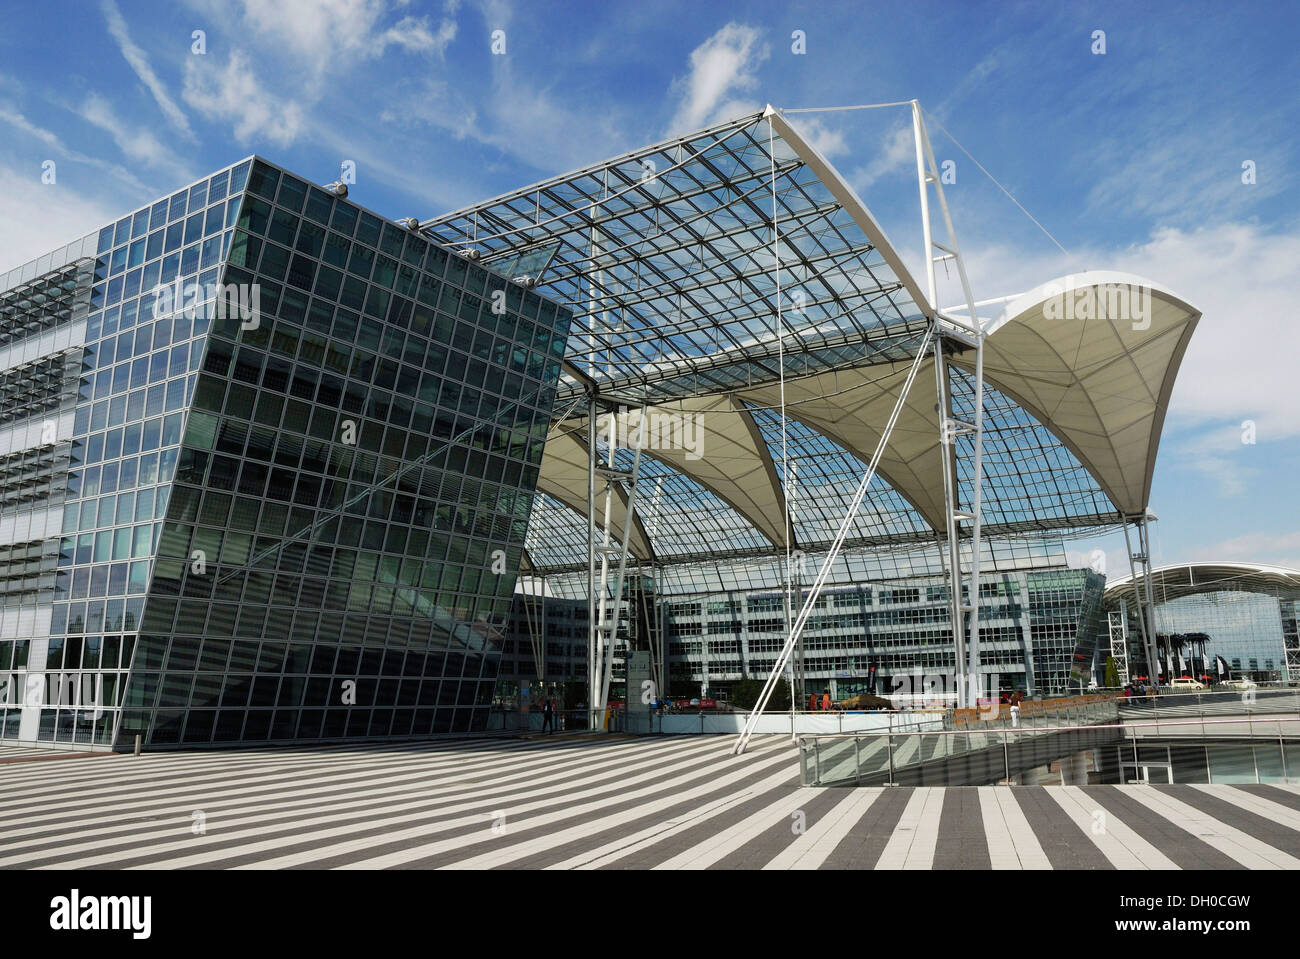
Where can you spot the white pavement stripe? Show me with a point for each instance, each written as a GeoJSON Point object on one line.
{"type": "Point", "coordinates": [244, 806]}
{"type": "Point", "coordinates": [1119, 843]}
{"type": "Point", "coordinates": [417, 810]}
{"type": "Point", "coordinates": [225, 793]}
{"type": "Point", "coordinates": [811, 849]}
{"type": "Point", "coordinates": [1233, 843]}
{"type": "Point", "coordinates": [1011, 840]}
{"type": "Point", "coordinates": [732, 838]}
{"type": "Point", "coordinates": [905, 753]}
{"type": "Point", "coordinates": [131, 769]}
{"type": "Point", "coordinates": [147, 782]}
{"type": "Point", "coordinates": [1274, 811]}
{"type": "Point", "coordinates": [531, 847]}
{"type": "Point", "coordinates": [915, 837]}
{"type": "Point", "coordinates": [514, 812]}
{"type": "Point", "coordinates": [384, 793]}
{"type": "Point", "coordinates": [121, 766]}
{"type": "Point", "coordinates": [625, 846]}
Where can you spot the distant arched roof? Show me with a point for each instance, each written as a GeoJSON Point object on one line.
{"type": "Point", "coordinates": [1189, 579]}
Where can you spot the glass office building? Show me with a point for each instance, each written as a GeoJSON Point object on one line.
{"type": "Point", "coordinates": [268, 461]}
{"type": "Point", "coordinates": [1229, 617]}
{"type": "Point", "coordinates": [1037, 627]}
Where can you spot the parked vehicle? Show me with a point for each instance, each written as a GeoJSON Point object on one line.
{"type": "Point", "coordinates": [1239, 684]}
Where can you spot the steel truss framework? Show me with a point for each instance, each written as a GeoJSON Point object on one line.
{"type": "Point", "coordinates": [731, 282]}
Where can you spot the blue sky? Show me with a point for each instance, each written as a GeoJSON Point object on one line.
{"type": "Point", "coordinates": [1133, 158]}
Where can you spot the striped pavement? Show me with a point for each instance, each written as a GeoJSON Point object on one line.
{"type": "Point", "coordinates": [632, 803]}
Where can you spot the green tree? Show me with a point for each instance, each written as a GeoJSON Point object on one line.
{"type": "Point", "coordinates": [745, 693]}
{"type": "Point", "coordinates": [1112, 672]}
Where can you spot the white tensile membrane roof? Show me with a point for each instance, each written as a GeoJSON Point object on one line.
{"type": "Point", "coordinates": [1191, 579]}
{"type": "Point", "coordinates": [666, 257]}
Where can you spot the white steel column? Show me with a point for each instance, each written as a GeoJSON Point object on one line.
{"type": "Point", "coordinates": [592, 689]}
{"type": "Point", "coordinates": [968, 331]}
{"type": "Point", "coordinates": [1119, 643]}
{"type": "Point", "coordinates": [1146, 614]}
{"type": "Point", "coordinates": [610, 605]}
{"type": "Point", "coordinates": [956, 607]}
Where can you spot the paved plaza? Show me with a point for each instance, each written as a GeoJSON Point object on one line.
{"type": "Point", "coordinates": [610, 803]}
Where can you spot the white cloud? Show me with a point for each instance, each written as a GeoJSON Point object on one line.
{"type": "Point", "coordinates": [1280, 549]}
{"type": "Point", "coordinates": [1240, 363]}
{"type": "Point", "coordinates": [416, 35]}
{"type": "Point", "coordinates": [138, 144]}
{"type": "Point", "coordinates": [19, 122]}
{"type": "Point", "coordinates": [44, 217]}
{"type": "Point", "coordinates": [521, 119]}
{"type": "Point", "coordinates": [140, 64]}
{"type": "Point", "coordinates": [324, 33]}
{"type": "Point", "coordinates": [722, 66]}
{"type": "Point", "coordinates": [829, 143]}
{"type": "Point", "coordinates": [233, 93]}
{"type": "Point", "coordinates": [898, 152]}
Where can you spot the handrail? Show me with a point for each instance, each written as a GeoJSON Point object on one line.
{"type": "Point", "coordinates": [1262, 727]}
{"type": "Point", "coordinates": [1271, 719]}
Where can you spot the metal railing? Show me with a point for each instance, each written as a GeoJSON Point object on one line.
{"type": "Point", "coordinates": [883, 758]}
{"type": "Point", "coordinates": [1275, 698]}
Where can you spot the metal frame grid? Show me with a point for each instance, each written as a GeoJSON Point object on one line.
{"type": "Point", "coordinates": [666, 255]}
{"type": "Point", "coordinates": [1031, 480]}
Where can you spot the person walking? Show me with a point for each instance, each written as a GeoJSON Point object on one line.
{"type": "Point", "coordinates": [548, 716]}
{"type": "Point", "coordinates": [812, 703]}
{"type": "Point", "coordinates": [1016, 697]}
{"type": "Point", "coordinates": [826, 702]}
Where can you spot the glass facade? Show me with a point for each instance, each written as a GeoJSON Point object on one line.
{"type": "Point", "coordinates": [272, 475]}
{"type": "Point", "coordinates": [1037, 629]}
{"type": "Point", "coordinates": [1254, 632]}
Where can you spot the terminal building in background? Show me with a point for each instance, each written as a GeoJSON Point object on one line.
{"type": "Point", "coordinates": [1213, 620]}
{"type": "Point", "coordinates": [268, 466]}
{"type": "Point", "coordinates": [1039, 626]}
{"type": "Point", "coordinates": [1045, 625]}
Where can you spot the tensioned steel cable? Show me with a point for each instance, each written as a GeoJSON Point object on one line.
{"type": "Point", "coordinates": [903, 103]}
{"type": "Point", "coordinates": [833, 552]}
{"type": "Point", "coordinates": [780, 361]}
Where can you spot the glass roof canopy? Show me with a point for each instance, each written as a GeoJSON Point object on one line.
{"type": "Point", "coordinates": [666, 256]}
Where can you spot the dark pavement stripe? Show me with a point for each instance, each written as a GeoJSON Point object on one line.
{"type": "Point", "coordinates": [962, 843]}
{"type": "Point", "coordinates": [1064, 843]}
{"type": "Point", "coordinates": [700, 768]}
{"type": "Point", "coordinates": [1253, 824]}
{"type": "Point", "coordinates": [762, 848]}
{"type": "Point", "coordinates": [866, 840]}
{"type": "Point", "coordinates": [1284, 797]}
{"type": "Point", "coordinates": [1186, 850]}
{"type": "Point", "coordinates": [331, 784]}
{"type": "Point", "coordinates": [670, 846]}
{"type": "Point", "coordinates": [664, 816]}
{"type": "Point", "coordinates": [703, 773]}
